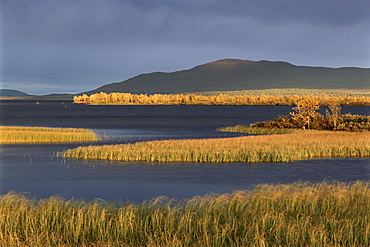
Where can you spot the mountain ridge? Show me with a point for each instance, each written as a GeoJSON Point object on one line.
{"type": "Point", "coordinates": [236, 74]}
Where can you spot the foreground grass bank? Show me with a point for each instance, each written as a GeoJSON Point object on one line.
{"type": "Point", "coordinates": [325, 214]}
{"type": "Point", "coordinates": [13, 134]}
{"type": "Point", "coordinates": [271, 148]}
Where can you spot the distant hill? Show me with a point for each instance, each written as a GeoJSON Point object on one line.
{"type": "Point", "coordinates": [11, 93]}
{"type": "Point", "coordinates": [235, 74]}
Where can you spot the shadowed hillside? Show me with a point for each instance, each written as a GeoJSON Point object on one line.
{"type": "Point", "coordinates": [11, 93]}
{"type": "Point", "coordinates": [234, 75]}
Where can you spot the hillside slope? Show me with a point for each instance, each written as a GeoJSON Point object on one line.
{"type": "Point", "coordinates": [11, 93]}
{"type": "Point", "coordinates": [234, 74]}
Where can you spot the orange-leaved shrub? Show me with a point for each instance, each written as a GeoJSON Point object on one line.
{"type": "Point", "coordinates": [307, 117]}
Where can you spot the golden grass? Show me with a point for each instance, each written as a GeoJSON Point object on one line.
{"type": "Point", "coordinates": [14, 134]}
{"type": "Point", "coordinates": [271, 148]}
{"type": "Point", "coordinates": [299, 214]}
{"type": "Point", "coordinates": [260, 130]}
{"type": "Point", "coordinates": [294, 91]}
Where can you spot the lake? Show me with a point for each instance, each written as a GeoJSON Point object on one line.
{"type": "Point", "coordinates": [32, 168]}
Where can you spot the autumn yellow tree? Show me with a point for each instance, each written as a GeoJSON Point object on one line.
{"type": "Point", "coordinates": [306, 113]}
{"type": "Point", "coordinates": [332, 115]}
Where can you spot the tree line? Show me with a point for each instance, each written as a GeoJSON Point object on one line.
{"type": "Point", "coordinates": [221, 99]}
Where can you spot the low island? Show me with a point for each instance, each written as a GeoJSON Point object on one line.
{"type": "Point", "coordinates": [304, 134]}
{"type": "Point", "coordinates": [19, 134]}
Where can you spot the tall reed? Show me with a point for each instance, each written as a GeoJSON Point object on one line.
{"type": "Point", "coordinates": [271, 148]}
{"type": "Point", "coordinates": [260, 130]}
{"type": "Point", "coordinates": [299, 214]}
{"type": "Point", "coordinates": [15, 134]}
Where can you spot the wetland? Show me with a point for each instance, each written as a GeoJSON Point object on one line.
{"type": "Point", "coordinates": [33, 168]}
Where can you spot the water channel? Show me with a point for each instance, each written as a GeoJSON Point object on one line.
{"type": "Point", "coordinates": [32, 168]}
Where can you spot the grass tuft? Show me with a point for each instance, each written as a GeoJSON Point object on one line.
{"type": "Point", "coordinates": [14, 134]}
{"type": "Point", "coordinates": [264, 148]}
{"type": "Point", "coordinates": [260, 130]}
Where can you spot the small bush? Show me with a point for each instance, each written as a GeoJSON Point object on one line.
{"type": "Point", "coordinates": [346, 122]}
{"type": "Point", "coordinates": [307, 117]}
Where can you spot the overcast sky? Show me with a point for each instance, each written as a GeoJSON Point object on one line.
{"type": "Point", "coordinates": [54, 46]}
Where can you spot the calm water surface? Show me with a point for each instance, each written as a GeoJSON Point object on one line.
{"type": "Point", "coordinates": [34, 169]}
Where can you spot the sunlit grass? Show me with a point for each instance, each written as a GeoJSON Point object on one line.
{"type": "Point", "coordinates": [299, 214]}
{"type": "Point", "coordinates": [13, 134]}
{"type": "Point", "coordinates": [264, 148]}
{"type": "Point", "coordinates": [294, 91]}
{"type": "Point", "coordinates": [258, 130]}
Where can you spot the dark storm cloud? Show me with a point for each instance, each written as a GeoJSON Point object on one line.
{"type": "Point", "coordinates": [109, 21]}
{"type": "Point", "coordinates": [321, 12]}
{"type": "Point", "coordinates": [331, 12]}
{"type": "Point", "coordinates": [77, 45]}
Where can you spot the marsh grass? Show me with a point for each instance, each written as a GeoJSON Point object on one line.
{"type": "Point", "coordinates": [263, 148]}
{"type": "Point", "coordinates": [260, 130]}
{"type": "Point", "coordinates": [299, 214]}
{"type": "Point", "coordinates": [14, 134]}
{"type": "Point", "coordinates": [293, 91]}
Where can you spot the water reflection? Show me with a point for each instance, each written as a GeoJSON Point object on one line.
{"type": "Point", "coordinates": [33, 169]}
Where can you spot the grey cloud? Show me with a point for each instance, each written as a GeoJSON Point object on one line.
{"type": "Point", "coordinates": [317, 12]}
{"type": "Point", "coordinates": [111, 21]}
{"type": "Point", "coordinates": [332, 12]}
